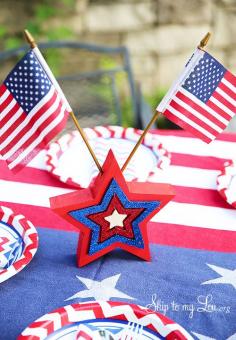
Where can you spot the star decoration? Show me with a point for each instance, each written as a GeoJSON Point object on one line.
{"type": "Point", "coordinates": [112, 213]}
{"type": "Point", "coordinates": [116, 219]}
{"type": "Point", "coordinates": [100, 290]}
{"type": "Point", "coordinates": [227, 276]}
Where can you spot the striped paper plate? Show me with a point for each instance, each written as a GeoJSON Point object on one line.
{"type": "Point", "coordinates": [104, 320]}
{"type": "Point", "coordinates": [18, 243]}
{"type": "Point", "coordinates": [226, 182]}
{"type": "Point", "coordinates": [69, 160]}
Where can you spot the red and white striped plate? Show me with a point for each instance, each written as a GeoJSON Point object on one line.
{"type": "Point", "coordinates": [118, 320]}
{"type": "Point", "coordinates": [69, 160]}
{"type": "Point", "coordinates": [226, 182]}
{"type": "Point", "coordinates": [18, 243]}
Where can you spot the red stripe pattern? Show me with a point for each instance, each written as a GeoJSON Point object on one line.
{"type": "Point", "coordinates": [204, 100]}
{"type": "Point", "coordinates": [107, 311]}
{"type": "Point", "coordinates": [196, 164]}
{"type": "Point", "coordinates": [30, 238]}
{"type": "Point", "coordinates": [31, 112]}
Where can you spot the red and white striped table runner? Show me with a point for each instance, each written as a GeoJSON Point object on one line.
{"type": "Point", "coordinates": [198, 217]}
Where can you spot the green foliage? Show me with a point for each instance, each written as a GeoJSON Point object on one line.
{"type": "Point", "coordinates": [44, 11]}
{"type": "Point", "coordinates": [68, 3]}
{"type": "Point", "coordinates": [153, 100]}
{"type": "Point", "coordinates": [155, 97]}
{"type": "Point", "coordinates": [109, 63]}
{"type": "Point", "coordinates": [60, 33]}
{"type": "Point", "coordinates": [128, 114]}
{"type": "Point", "coordinates": [12, 42]}
{"type": "Point", "coordinates": [3, 31]}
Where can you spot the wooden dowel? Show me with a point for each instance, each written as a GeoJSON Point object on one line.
{"type": "Point", "coordinates": [140, 140]}
{"type": "Point", "coordinates": [83, 135]}
{"type": "Point", "coordinates": [204, 41]}
{"type": "Point", "coordinates": [29, 38]}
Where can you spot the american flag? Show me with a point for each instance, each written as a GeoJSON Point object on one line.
{"type": "Point", "coordinates": [32, 112]}
{"type": "Point", "coordinates": [203, 99]}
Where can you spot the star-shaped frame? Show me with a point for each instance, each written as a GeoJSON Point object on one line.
{"type": "Point", "coordinates": [88, 208]}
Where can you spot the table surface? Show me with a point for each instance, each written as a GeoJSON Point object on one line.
{"type": "Point", "coordinates": [192, 276]}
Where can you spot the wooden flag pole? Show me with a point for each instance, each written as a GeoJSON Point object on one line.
{"type": "Point", "coordinates": [202, 44]}
{"type": "Point", "coordinates": [204, 41]}
{"type": "Point", "coordinates": [33, 45]}
{"type": "Point", "coordinates": [140, 140]}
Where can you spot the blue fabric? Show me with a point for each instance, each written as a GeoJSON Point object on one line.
{"type": "Point", "coordinates": [171, 283]}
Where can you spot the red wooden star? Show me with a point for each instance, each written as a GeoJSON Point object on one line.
{"type": "Point", "coordinates": [112, 213]}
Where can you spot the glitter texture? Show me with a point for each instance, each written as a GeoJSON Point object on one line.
{"type": "Point", "coordinates": [96, 243]}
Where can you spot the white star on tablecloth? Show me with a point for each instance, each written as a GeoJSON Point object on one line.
{"type": "Point", "coordinates": [100, 290]}
{"type": "Point", "coordinates": [227, 276]}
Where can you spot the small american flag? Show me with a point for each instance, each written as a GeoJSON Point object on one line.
{"type": "Point", "coordinates": [32, 112]}
{"type": "Point", "coordinates": [203, 99]}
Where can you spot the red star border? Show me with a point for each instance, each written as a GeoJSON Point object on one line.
{"type": "Point", "coordinates": [87, 209]}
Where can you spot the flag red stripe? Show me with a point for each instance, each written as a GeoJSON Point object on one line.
{"type": "Point", "coordinates": [6, 102]}
{"type": "Point", "coordinates": [200, 109]}
{"type": "Point", "coordinates": [41, 145]}
{"type": "Point", "coordinates": [230, 77]}
{"type": "Point", "coordinates": [31, 139]}
{"type": "Point", "coordinates": [227, 90]}
{"type": "Point", "coordinates": [186, 126]}
{"type": "Point", "coordinates": [193, 118]}
{"type": "Point", "coordinates": [216, 108]}
{"type": "Point", "coordinates": [33, 120]}
{"type": "Point", "coordinates": [12, 127]}
{"type": "Point", "coordinates": [2, 89]}
{"type": "Point", "coordinates": [192, 237]}
{"type": "Point", "coordinates": [224, 101]}
{"type": "Point", "coordinates": [10, 115]}
{"type": "Point", "coordinates": [57, 128]}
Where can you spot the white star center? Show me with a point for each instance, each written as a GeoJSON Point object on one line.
{"type": "Point", "coordinates": [116, 219]}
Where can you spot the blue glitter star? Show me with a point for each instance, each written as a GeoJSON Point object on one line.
{"type": "Point", "coordinates": [81, 215]}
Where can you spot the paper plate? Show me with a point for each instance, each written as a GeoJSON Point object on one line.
{"type": "Point", "coordinates": [18, 243]}
{"type": "Point", "coordinates": [69, 160]}
{"type": "Point", "coordinates": [226, 182]}
{"type": "Point", "coordinates": [113, 320]}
